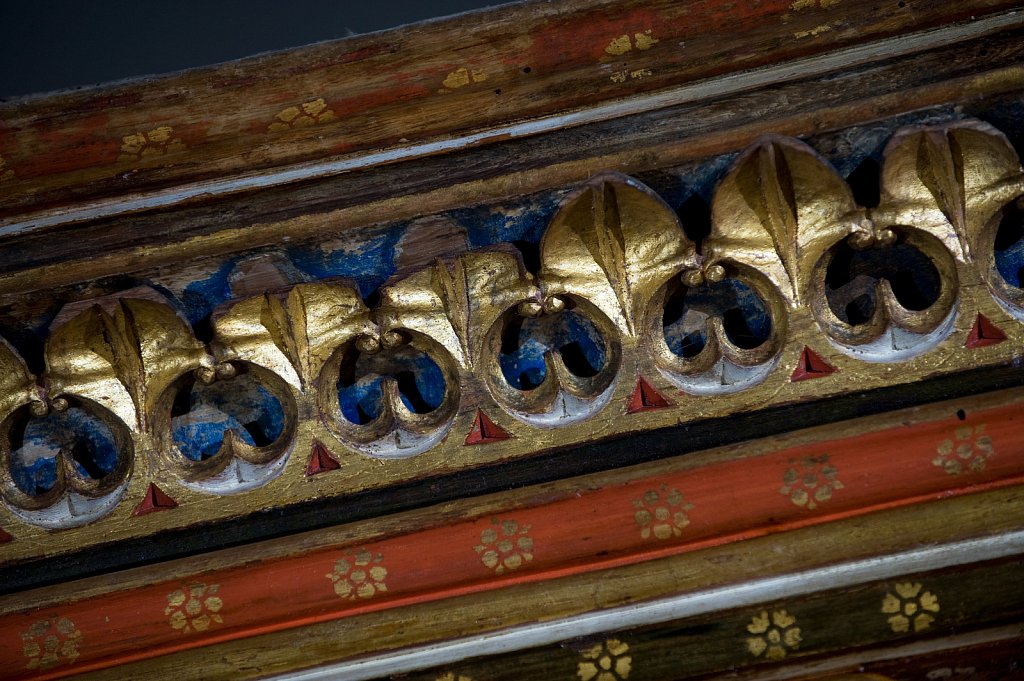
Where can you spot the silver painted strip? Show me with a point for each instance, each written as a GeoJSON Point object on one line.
{"type": "Point", "coordinates": [667, 609]}
{"type": "Point", "coordinates": [715, 87]}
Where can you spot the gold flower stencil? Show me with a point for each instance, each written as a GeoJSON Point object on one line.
{"type": "Point", "coordinates": [774, 635]}
{"type": "Point", "coordinates": [910, 608]}
{"type": "Point", "coordinates": [605, 661]}
{"type": "Point", "coordinates": [51, 642]}
{"type": "Point", "coordinates": [810, 481]}
{"type": "Point", "coordinates": [506, 546]}
{"type": "Point", "coordinates": [194, 607]}
{"type": "Point", "coordinates": [661, 513]}
{"type": "Point", "coordinates": [361, 575]}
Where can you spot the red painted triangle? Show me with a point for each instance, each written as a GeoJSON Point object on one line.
{"type": "Point", "coordinates": [5, 537]}
{"type": "Point", "coordinates": [155, 500]}
{"type": "Point", "coordinates": [984, 333]}
{"type": "Point", "coordinates": [320, 460]}
{"type": "Point", "coordinates": [811, 366]}
{"type": "Point", "coordinates": [485, 430]}
{"type": "Point", "coordinates": [645, 397]}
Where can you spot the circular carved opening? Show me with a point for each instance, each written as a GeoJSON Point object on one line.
{"type": "Point", "coordinates": [66, 467]}
{"type": "Point", "coordinates": [202, 415]}
{"type": "Point", "coordinates": [852, 277]}
{"type": "Point", "coordinates": [36, 443]}
{"type": "Point", "coordinates": [886, 296]}
{"type": "Point", "coordinates": [688, 310]}
{"type": "Point", "coordinates": [361, 378]}
{"type": "Point", "coordinates": [525, 341]}
{"type": "Point", "coordinates": [1009, 244]}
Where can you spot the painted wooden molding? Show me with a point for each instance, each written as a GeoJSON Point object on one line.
{"type": "Point", "coordinates": [479, 351]}
{"type": "Point", "coordinates": [403, 93]}
{"type": "Point", "coordinates": [574, 535]}
{"type": "Point", "coordinates": [587, 258]}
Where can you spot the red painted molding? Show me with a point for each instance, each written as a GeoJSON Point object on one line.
{"type": "Point", "coordinates": [621, 524]}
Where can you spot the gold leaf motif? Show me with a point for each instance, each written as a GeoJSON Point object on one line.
{"type": "Point", "coordinates": [51, 642]}
{"type": "Point", "coordinates": [462, 77]}
{"type": "Point", "coordinates": [775, 635]}
{"type": "Point", "coordinates": [450, 676]}
{"type": "Point", "coordinates": [506, 546]}
{"type": "Point", "coordinates": [605, 661]}
{"type": "Point", "coordinates": [908, 608]}
{"type": "Point", "coordinates": [620, 45]}
{"type": "Point", "coordinates": [644, 41]}
{"type": "Point", "coordinates": [949, 181]}
{"type": "Point", "coordinates": [17, 385]}
{"type": "Point", "coordinates": [155, 142]}
{"type": "Point", "coordinates": [779, 209]}
{"type": "Point", "coordinates": [194, 607]}
{"type": "Point", "coordinates": [418, 303]}
{"type": "Point", "coordinates": [967, 449]}
{"type": "Point", "coordinates": [614, 243]}
{"type": "Point", "coordinates": [359, 576]}
{"type": "Point", "coordinates": [293, 338]}
{"type": "Point", "coordinates": [623, 43]}
{"type": "Point", "coordinates": [309, 113]}
{"type": "Point", "coordinates": [810, 481]}
{"type": "Point", "coordinates": [476, 291]}
{"type": "Point", "coordinates": [123, 361]}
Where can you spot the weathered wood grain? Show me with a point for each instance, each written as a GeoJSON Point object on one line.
{"type": "Point", "coordinates": [410, 86]}
{"type": "Point", "coordinates": [992, 654]}
{"type": "Point", "coordinates": [332, 207]}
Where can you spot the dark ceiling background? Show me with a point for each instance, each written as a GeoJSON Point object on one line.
{"type": "Point", "coordinates": [58, 44]}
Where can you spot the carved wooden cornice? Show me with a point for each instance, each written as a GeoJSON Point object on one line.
{"type": "Point", "coordinates": [489, 313]}
{"type": "Point", "coordinates": [611, 260]}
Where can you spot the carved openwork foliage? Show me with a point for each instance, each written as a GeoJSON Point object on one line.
{"type": "Point", "coordinates": [622, 297]}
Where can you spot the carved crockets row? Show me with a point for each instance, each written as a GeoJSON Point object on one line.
{"type": "Point", "coordinates": [614, 253]}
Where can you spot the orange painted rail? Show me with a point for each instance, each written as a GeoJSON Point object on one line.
{"type": "Point", "coordinates": [625, 523]}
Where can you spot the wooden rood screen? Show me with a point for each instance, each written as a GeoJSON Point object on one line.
{"type": "Point", "coordinates": [596, 340]}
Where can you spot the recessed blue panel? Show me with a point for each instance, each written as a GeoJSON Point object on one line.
{"type": "Point", "coordinates": [569, 333]}
{"type": "Point", "coordinates": [82, 437]}
{"type": "Point", "coordinates": [421, 384]}
{"type": "Point", "coordinates": [241, 404]}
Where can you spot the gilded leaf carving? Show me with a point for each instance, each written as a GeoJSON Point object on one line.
{"type": "Point", "coordinates": [123, 361]}
{"type": "Point", "coordinates": [294, 336]}
{"type": "Point", "coordinates": [614, 243]}
{"type": "Point", "coordinates": [621, 295]}
{"type": "Point", "coordinates": [777, 211]}
{"type": "Point", "coordinates": [17, 385]}
{"type": "Point", "coordinates": [408, 337]}
{"type": "Point", "coordinates": [419, 303]}
{"type": "Point", "coordinates": [476, 290]}
{"type": "Point", "coordinates": [949, 181]}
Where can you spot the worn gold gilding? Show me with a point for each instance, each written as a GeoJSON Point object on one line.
{"type": "Point", "coordinates": [613, 253]}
